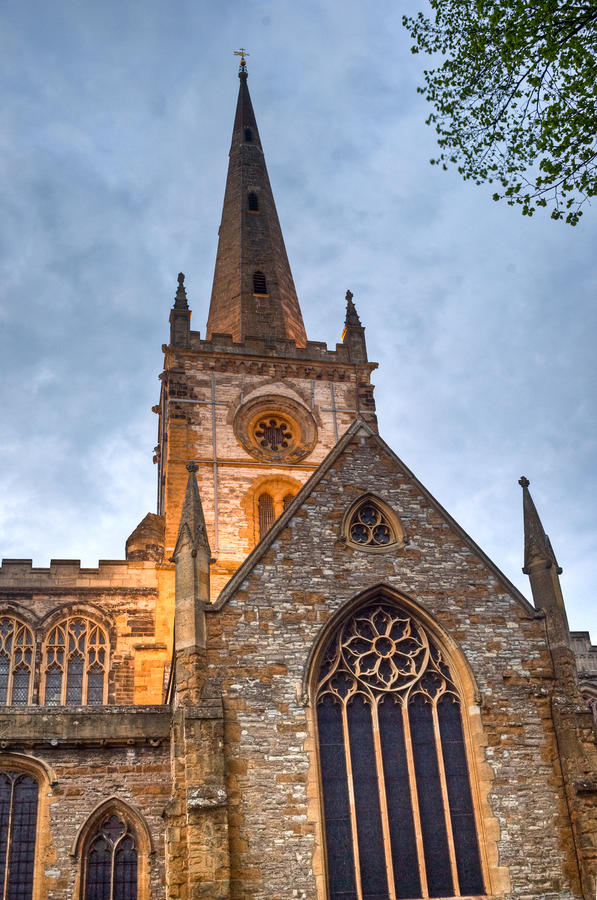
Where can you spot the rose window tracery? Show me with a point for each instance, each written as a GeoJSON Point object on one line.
{"type": "Point", "coordinates": [274, 434]}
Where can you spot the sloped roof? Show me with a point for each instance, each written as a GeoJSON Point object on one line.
{"type": "Point", "coordinates": [357, 427]}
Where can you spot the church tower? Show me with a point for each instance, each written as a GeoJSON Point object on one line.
{"type": "Point", "coordinates": [254, 404]}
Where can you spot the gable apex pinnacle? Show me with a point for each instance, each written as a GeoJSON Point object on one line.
{"type": "Point", "coordinates": [537, 546]}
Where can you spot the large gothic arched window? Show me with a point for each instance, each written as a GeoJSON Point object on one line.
{"type": "Point", "coordinates": [18, 821]}
{"type": "Point", "coordinates": [399, 817]}
{"type": "Point", "coordinates": [75, 663]}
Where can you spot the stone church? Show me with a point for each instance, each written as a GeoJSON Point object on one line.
{"type": "Point", "coordinates": [304, 680]}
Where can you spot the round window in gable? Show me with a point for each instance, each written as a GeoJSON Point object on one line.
{"type": "Point", "coordinates": [370, 525]}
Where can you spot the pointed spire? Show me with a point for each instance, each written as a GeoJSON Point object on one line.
{"type": "Point", "coordinates": [354, 333]}
{"type": "Point", "coordinates": [180, 301]}
{"type": "Point", "coordinates": [537, 546]}
{"type": "Point", "coordinates": [352, 317]}
{"type": "Point", "coordinates": [253, 292]}
{"type": "Point", "coordinates": [180, 317]}
{"type": "Point", "coordinates": [192, 520]}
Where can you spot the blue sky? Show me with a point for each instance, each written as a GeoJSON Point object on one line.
{"type": "Point", "coordinates": [117, 122]}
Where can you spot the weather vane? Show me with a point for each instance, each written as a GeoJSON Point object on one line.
{"type": "Point", "coordinates": [243, 63]}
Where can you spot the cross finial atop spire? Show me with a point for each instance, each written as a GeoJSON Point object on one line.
{"type": "Point", "coordinates": [242, 69]}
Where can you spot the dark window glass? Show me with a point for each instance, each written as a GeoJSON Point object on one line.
{"type": "Point", "coordinates": [111, 863]}
{"type": "Point", "coordinates": [53, 686]}
{"type": "Point", "coordinates": [435, 841]}
{"type": "Point", "coordinates": [266, 514]}
{"type": "Point", "coordinates": [259, 283]}
{"type": "Point", "coordinates": [248, 135]}
{"type": "Point", "coordinates": [253, 202]}
{"type": "Point", "coordinates": [74, 681]}
{"type": "Point", "coordinates": [366, 798]}
{"type": "Point", "coordinates": [389, 730]}
{"type": "Point", "coordinates": [459, 793]}
{"type": "Point", "coordinates": [400, 811]}
{"type": "Point", "coordinates": [18, 820]}
{"type": "Point", "coordinates": [336, 801]}
{"type": "Point", "coordinates": [287, 500]}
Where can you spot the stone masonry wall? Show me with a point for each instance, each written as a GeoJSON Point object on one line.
{"type": "Point", "coordinates": [258, 646]}
{"type": "Point", "coordinates": [124, 596]}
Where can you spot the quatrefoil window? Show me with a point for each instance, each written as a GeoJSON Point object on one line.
{"type": "Point", "coordinates": [273, 434]}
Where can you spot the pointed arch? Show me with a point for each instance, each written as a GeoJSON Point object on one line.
{"type": "Point", "coordinates": [398, 751]}
{"type": "Point", "coordinates": [115, 837]}
{"type": "Point", "coordinates": [75, 663]}
{"type": "Point", "coordinates": [25, 788]}
{"type": "Point", "coordinates": [370, 524]}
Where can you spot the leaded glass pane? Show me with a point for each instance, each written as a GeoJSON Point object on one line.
{"type": "Point", "coordinates": [80, 647]}
{"type": "Point", "coordinates": [125, 870]}
{"type": "Point", "coordinates": [18, 819]}
{"type": "Point", "coordinates": [74, 681]}
{"type": "Point", "coordinates": [111, 864]}
{"type": "Point", "coordinates": [386, 685]}
{"type": "Point", "coordinates": [266, 514]}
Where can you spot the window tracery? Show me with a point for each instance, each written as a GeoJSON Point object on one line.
{"type": "Point", "coordinates": [398, 810]}
{"type": "Point", "coordinates": [111, 862]}
{"type": "Point", "coordinates": [18, 820]}
{"type": "Point", "coordinates": [75, 663]}
{"type": "Point", "coordinates": [17, 653]}
{"type": "Point", "coordinates": [369, 526]}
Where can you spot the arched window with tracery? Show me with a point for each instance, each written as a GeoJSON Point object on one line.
{"type": "Point", "coordinates": [75, 663]}
{"type": "Point", "coordinates": [110, 863]}
{"type": "Point", "coordinates": [17, 654]}
{"type": "Point", "coordinates": [18, 824]}
{"type": "Point", "coordinates": [267, 517]}
{"type": "Point", "coordinates": [398, 808]}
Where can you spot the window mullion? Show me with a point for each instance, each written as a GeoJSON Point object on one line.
{"type": "Point", "coordinates": [446, 803]}
{"type": "Point", "coordinates": [8, 840]}
{"type": "Point", "coordinates": [85, 666]}
{"type": "Point", "coordinates": [383, 801]}
{"type": "Point", "coordinates": [415, 800]}
{"type": "Point", "coordinates": [351, 801]}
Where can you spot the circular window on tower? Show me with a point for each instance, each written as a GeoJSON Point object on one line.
{"type": "Point", "coordinates": [275, 428]}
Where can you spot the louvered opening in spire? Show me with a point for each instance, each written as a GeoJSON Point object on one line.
{"type": "Point", "coordinates": [250, 244]}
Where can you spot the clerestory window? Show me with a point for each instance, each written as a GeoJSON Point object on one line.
{"type": "Point", "coordinates": [398, 808]}
{"type": "Point", "coordinates": [18, 822]}
{"type": "Point", "coordinates": [110, 863]}
{"type": "Point", "coordinates": [17, 653]}
{"type": "Point", "coordinates": [75, 664]}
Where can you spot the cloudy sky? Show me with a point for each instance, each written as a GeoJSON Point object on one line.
{"type": "Point", "coordinates": [117, 122]}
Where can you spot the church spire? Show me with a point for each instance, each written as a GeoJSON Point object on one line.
{"type": "Point", "coordinates": [253, 293]}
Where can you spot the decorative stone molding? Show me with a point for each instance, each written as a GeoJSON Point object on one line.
{"type": "Point", "coordinates": [273, 428]}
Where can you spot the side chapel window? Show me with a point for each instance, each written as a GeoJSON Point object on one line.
{"type": "Point", "coordinates": [399, 818]}
{"type": "Point", "coordinates": [17, 649]}
{"type": "Point", "coordinates": [110, 862]}
{"type": "Point", "coordinates": [75, 664]}
{"type": "Point", "coordinates": [18, 820]}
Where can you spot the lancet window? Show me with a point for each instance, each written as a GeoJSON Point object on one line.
{"type": "Point", "coordinates": [17, 655]}
{"type": "Point", "coordinates": [259, 283]}
{"type": "Point", "coordinates": [398, 809]}
{"type": "Point", "coordinates": [75, 664]}
{"type": "Point", "coordinates": [18, 821]}
{"type": "Point", "coordinates": [253, 202]}
{"type": "Point", "coordinates": [267, 515]}
{"type": "Point", "coordinates": [110, 864]}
